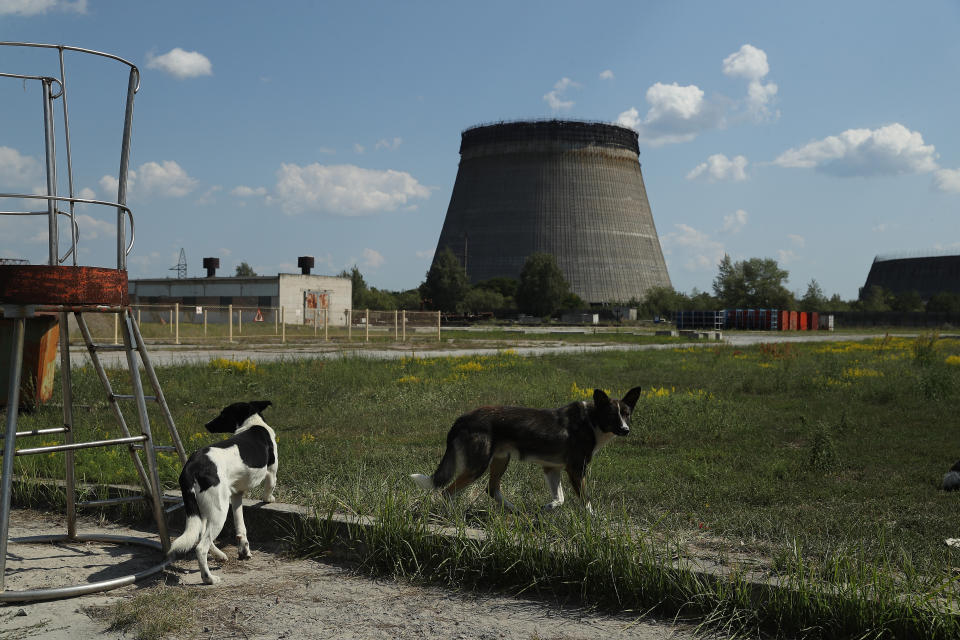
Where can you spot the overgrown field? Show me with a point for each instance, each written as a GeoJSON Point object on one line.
{"type": "Point", "coordinates": [818, 464]}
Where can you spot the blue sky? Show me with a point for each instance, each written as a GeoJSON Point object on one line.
{"type": "Point", "coordinates": [819, 134]}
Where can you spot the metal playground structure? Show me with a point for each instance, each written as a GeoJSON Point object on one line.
{"type": "Point", "coordinates": [62, 287]}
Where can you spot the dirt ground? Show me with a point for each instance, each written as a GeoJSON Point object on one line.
{"type": "Point", "coordinates": [271, 596]}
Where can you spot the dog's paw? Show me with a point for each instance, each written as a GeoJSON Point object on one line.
{"type": "Point", "coordinates": [212, 579]}
{"type": "Point", "coordinates": [551, 506]}
{"type": "Point", "coordinates": [243, 549]}
{"type": "Point", "coordinates": [219, 555]}
{"type": "Point", "coordinates": [270, 498]}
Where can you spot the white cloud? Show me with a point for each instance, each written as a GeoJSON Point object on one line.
{"type": "Point", "coordinates": [17, 171]}
{"type": "Point", "coordinates": [880, 227]}
{"type": "Point", "coordinates": [243, 191]}
{"type": "Point", "coordinates": [91, 228]}
{"type": "Point", "coordinates": [358, 148]}
{"type": "Point", "coordinates": [37, 7]}
{"type": "Point", "coordinates": [947, 180]}
{"type": "Point", "coordinates": [555, 98]}
{"type": "Point", "coordinates": [798, 240]}
{"type": "Point", "coordinates": [181, 64]}
{"type": "Point", "coordinates": [751, 63]}
{"type": "Point", "coordinates": [345, 190]}
{"type": "Point", "coordinates": [207, 197]}
{"type": "Point", "coordinates": [697, 250]}
{"type": "Point", "coordinates": [676, 114]}
{"type": "Point", "coordinates": [719, 167]}
{"type": "Point", "coordinates": [734, 222]}
{"type": "Point", "coordinates": [165, 179]}
{"type": "Point", "coordinates": [372, 258]}
{"type": "Point", "coordinates": [388, 145]}
{"type": "Point", "coordinates": [889, 150]}
{"type": "Point", "coordinates": [786, 256]}
{"type": "Point", "coordinates": [428, 254]}
{"type": "Point", "coordinates": [607, 74]}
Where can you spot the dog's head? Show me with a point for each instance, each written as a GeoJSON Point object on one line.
{"type": "Point", "coordinates": [232, 417]}
{"type": "Point", "coordinates": [612, 415]}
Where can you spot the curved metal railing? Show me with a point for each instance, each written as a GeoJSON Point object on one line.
{"type": "Point", "coordinates": [55, 88]}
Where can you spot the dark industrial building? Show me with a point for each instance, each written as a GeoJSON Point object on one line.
{"type": "Point", "coordinates": [568, 188]}
{"type": "Point", "coordinates": [927, 274]}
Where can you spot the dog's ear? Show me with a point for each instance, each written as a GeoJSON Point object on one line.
{"type": "Point", "coordinates": [631, 398]}
{"type": "Point", "coordinates": [260, 405]}
{"type": "Point", "coordinates": [600, 398]}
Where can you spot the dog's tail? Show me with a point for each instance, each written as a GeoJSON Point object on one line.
{"type": "Point", "coordinates": [444, 473]}
{"type": "Point", "coordinates": [194, 523]}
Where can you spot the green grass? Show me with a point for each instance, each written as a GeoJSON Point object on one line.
{"type": "Point", "coordinates": [821, 461]}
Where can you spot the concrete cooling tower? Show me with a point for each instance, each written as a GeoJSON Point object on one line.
{"type": "Point", "coordinates": [571, 189]}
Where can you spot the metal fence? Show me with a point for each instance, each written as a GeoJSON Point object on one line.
{"type": "Point", "coordinates": [189, 324]}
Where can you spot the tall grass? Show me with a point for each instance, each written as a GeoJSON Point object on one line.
{"type": "Point", "coordinates": [820, 462]}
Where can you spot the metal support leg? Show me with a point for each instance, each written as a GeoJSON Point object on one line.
{"type": "Point", "coordinates": [156, 495]}
{"type": "Point", "coordinates": [10, 438]}
{"type": "Point", "coordinates": [67, 384]}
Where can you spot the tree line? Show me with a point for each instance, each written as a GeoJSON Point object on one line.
{"type": "Point", "coordinates": [541, 290]}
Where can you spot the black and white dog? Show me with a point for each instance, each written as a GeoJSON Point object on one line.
{"type": "Point", "coordinates": [558, 440]}
{"type": "Point", "coordinates": [215, 478]}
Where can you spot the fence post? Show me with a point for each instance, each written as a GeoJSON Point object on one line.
{"type": "Point", "coordinates": [326, 323]}
{"type": "Point", "coordinates": [171, 320]}
{"type": "Point", "coordinates": [176, 315]}
{"type": "Point", "coordinates": [204, 322]}
{"type": "Point", "coordinates": [276, 320]}
{"type": "Point", "coordinates": [404, 326]}
{"type": "Point", "coordinates": [349, 316]}
{"type": "Point", "coordinates": [116, 328]}
{"type": "Point", "coordinates": [366, 322]}
{"type": "Point", "coordinates": [396, 327]}
{"type": "Point", "coordinates": [230, 322]}
{"type": "Point", "coordinates": [438, 326]}
{"type": "Point", "coordinates": [316, 321]}
{"type": "Point", "coordinates": [139, 324]}
{"type": "Point", "coordinates": [239, 321]}
{"type": "Point", "coordinates": [283, 325]}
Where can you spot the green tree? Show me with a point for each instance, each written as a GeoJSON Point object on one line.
{"type": "Point", "coordinates": [661, 301]}
{"type": "Point", "coordinates": [876, 298]}
{"type": "Point", "coordinates": [907, 301]}
{"type": "Point", "coordinates": [481, 299]}
{"type": "Point", "coordinates": [446, 284]}
{"type": "Point", "coordinates": [542, 285]}
{"type": "Point", "coordinates": [756, 283]}
{"type": "Point", "coordinates": [813, 299]}
{"type": "Point", "coordinates": [359, 286]}
{"type": "Point", "coordinates": [244, 270]}
{"type": "Point", "coordinates": [944, 301]}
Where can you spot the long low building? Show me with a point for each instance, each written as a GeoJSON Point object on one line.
{"type": "Point", "coordinates": [303, 297]}
{"type": "Point", "coordinates": [927, 273]}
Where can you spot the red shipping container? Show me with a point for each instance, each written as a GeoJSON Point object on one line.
{"type": "Point", "coordinates": [803, 321]}
{"type": "Point", "coordinates": [793, 321]}
{"type": "Point", "coordinates": [784, 320]}
{"type": "Point", "coordinates": [814, 321]}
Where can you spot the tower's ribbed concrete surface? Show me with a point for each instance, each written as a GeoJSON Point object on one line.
{"type": "Point", "coordinates": [571, 189]}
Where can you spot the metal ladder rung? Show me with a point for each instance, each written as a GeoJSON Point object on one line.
{"type": "Point", "coordinates": [127, 396]}
{"type": "Point", "coordinates": [79, 445]}
{"type": "Point", "coordinates": [110, 347]}
{"type": "Point", "coordinates": [43, 432]}
{"type": "Point", "coordinates": [158, 447]}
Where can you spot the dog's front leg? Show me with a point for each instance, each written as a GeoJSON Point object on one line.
{"type": "Point", "coordinates": [577, 475]}
{"type": "Point", "coordinates": [556, 490]}
{"type": "Point", "coordinates": [243, 545]}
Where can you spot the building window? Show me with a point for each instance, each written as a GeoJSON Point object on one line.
{"type": "Point", "coordinates": [226, 300]}
{"type": "Point", "coordinates": [264, 301]}
{"type": "Point", "coordinates": [189, 301]}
